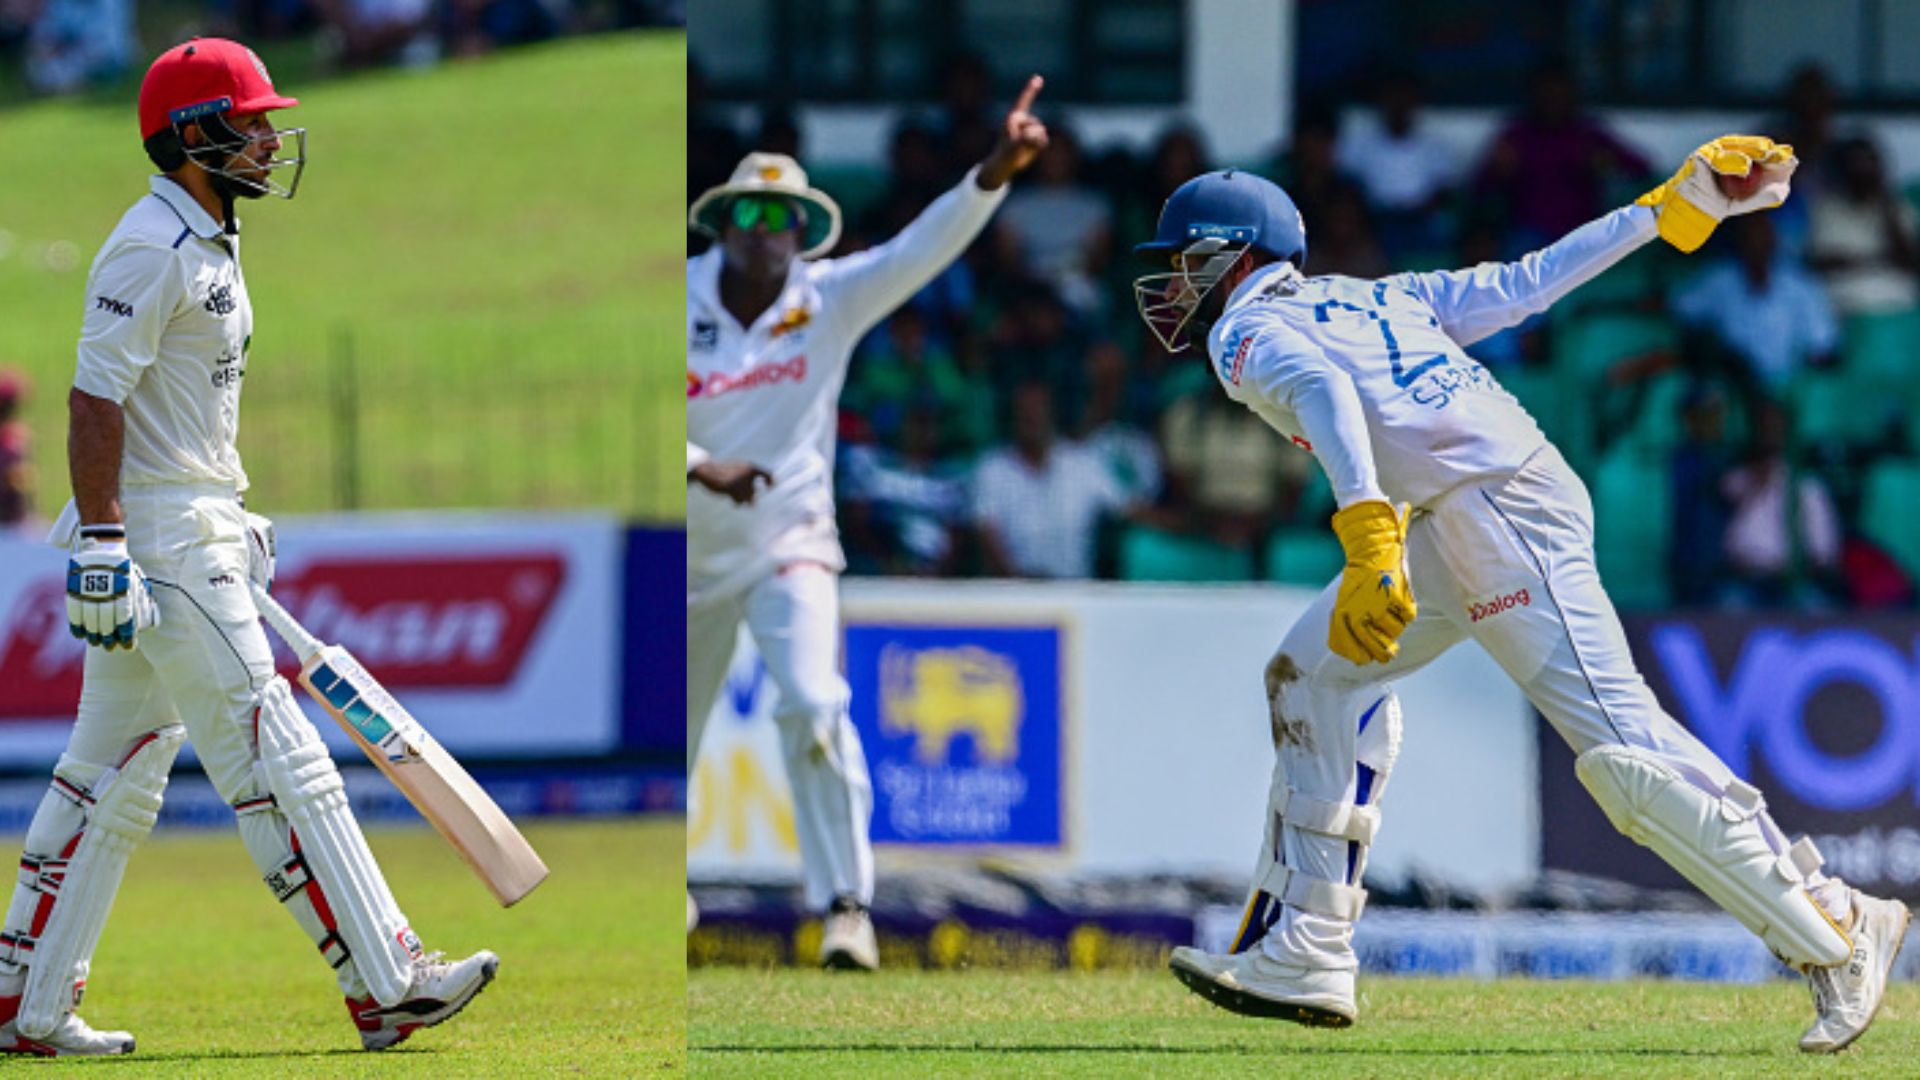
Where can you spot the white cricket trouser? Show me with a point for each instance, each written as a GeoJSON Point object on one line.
{"type": "Point", "coordinates": [794, 617]}
{"type": "Point", "coordinates": [1508, 562]}
{"type": "Point", "coordinates": [202, 667]}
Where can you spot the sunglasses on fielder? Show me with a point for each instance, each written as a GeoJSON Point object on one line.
{"type": "Point", "coordinates": [776, 213]}
{"type": "Point", "coordinates": [1168, 301]}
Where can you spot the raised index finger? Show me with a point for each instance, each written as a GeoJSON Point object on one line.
{"type": "Point", "coordinates": [1025, 104]}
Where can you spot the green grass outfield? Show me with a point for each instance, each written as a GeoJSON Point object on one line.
{"type": "Point", "coordinates": [803, 1023]}
{"type": "Point", "coordinates": [214, 980]}
{"type": "Point", "coordinates": [491, 248]}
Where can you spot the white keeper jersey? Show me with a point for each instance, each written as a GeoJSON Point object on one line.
{"type": "Point", "coordinates": [1373, 377]}
{"type": "Point", "coordinates": [768, 393]}
{"type": "Point", "coordinates": [165, 337]}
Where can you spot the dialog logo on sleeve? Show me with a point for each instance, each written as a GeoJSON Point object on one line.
{"type": "Point", "coordinates": [963, 732]}
{"type": "Point", "coordinates": [1487, 609]}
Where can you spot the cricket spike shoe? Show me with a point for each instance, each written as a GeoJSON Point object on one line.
{"type": "Point", "coordinates": [73, 1038]}
{"type": "Point", "coordinates": [1253, 984]}
{"type": "Point", "coordinates": [847, 942]}
{"type": "Point", "coordinates": [440, 990]}
{"type": "Point", "coordinates": [1848, 994]}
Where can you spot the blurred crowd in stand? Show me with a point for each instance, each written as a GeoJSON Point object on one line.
{"type": "Point", "coordinates": [1741, 414]}
{"type": "Point", "coordinates": [70, 46]}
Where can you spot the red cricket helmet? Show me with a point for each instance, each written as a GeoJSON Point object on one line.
{"type": "Point", "coordinates": [201, 83]}
{"type": "Point", "coordinates": [204, 76]}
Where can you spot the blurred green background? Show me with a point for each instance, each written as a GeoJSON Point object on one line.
{"type": "Point", "coordinates": [473, 301]}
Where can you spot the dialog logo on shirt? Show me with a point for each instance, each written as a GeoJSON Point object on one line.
{"type": "Point", "coordinates": [1518, 598]}
{"type": "Point", "coordinates": [794, 370]}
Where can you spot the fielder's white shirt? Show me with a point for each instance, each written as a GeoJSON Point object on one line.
{"type": "Point", "coordinates": [767, 393]}
{"type": "Point", "coordinates": [1373, 378]}
{"type": "Point", "coordinates": [165, 337]}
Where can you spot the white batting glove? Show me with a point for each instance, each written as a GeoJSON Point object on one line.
{"type": "Point", "coordinates": [108, 599]}
{"type": "Point", "coordinates": [264, 550]}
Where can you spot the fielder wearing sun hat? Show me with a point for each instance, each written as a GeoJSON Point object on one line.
{"type": "Point", "coordinates": [772, 174]}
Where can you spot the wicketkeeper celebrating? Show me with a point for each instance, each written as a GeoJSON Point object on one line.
{"type": "Point", "coordinates": [158, 585]}
{"type": "Point", "coordinates": [770, 330]}
{"type": "Point", "coordinates": [1461, 521]}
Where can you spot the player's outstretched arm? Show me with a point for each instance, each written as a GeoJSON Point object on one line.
{"type": "Point", "coordinates": [867, 285]}
{"type": "Point", "coordinates": [1711, 185]}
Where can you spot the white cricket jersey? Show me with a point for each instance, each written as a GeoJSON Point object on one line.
{"type": "Point", "coordinates": [1372, 376]}
{"type": "Point", "coordinates": [165, 337]}
{"type": "Point", "coordinates": [767, 393]}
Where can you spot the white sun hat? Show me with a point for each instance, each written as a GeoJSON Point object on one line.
{"type": "Point", "coordinates": [771, 174]}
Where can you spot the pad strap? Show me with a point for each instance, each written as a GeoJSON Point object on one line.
{"type": "Point", "coordinates": [1342, 819]}
{"type": "Point", "coordinates": [1298, 889]}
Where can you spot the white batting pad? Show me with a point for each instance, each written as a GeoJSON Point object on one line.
{"type": "Point", "coordinates": [1719, 843]}
{"type": "Point", "coordinates": [296, 768]}
{"type": "Point", "coordinates": [119, 811]}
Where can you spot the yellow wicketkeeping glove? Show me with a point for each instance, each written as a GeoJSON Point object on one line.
{"type": "Point", "coordinates": [1375, 602]}
{"type": "Point", "coordinates": [1691, 203]}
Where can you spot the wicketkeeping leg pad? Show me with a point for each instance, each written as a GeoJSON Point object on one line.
{"type": "Point", "coordinates": [1721, 843]}
{"type": "Point", "coordinates": [116, 811]}
{"type": "Point", "coordinates": [296, 768]}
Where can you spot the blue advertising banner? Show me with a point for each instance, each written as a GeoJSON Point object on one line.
{"type": "Point", "coordinates": [653, 646]}
{"type": "Point", "coordinates": [1820, 713]}
{"type": "Point", "coordinates": [964, 732]}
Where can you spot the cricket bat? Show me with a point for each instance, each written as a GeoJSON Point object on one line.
{"type": "Point", "coordinates": [417, 764]}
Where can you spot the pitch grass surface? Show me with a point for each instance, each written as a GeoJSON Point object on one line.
{"type": "Point", "coordinates": [497, 244]}
{"type": "Point", "coordinates": [804, 1023]}
{"type": "Point", "coordinates": [214, 980]}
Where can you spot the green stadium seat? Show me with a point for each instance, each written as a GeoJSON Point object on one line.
{"type": "Point", "coordinates": [1829, 407]}
{"type": "Point", "coordinates": [1150, 554]}
{"type": "Point", "coordinates": [1632, 506]}
{"type": "Point", "coordinates": [1587, 348]}
{"type": "Point", "coordinates": [1656, 427]}
{"type": "Point", "coordinates": [855, 187]}
{"type": "Point", "coordinates": [1890, 510]}
{"type": "Point", "coordinates": [1626, 284]}
{"type": "Point", "coordinates": [1304, 556]}
{"type": "Point", "coordinates": [1883, 350]}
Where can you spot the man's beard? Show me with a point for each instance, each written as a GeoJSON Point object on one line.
{"type": "Point", "coordinates": [236, 187]}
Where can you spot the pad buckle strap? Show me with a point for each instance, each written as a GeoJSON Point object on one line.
{"type": "Point", "coordinates": [255, 804]}
{"type": "Point", "coordinates": [1741, 801]}
{"type": "Point", "coordinates": [43, 876]}
{"type": "Point", "coordinates": [289, 878]}
{"type": "Point", "coordinates": [1298, 889]}
{"type": "Point", "coordinates": [334, 949]}
{"type": "Point", "coordinates": [1801, 861]}
{"type": "Point", "coordinates": [1342, 819]}
{"type": "Point", "coordinates": [17, 948]}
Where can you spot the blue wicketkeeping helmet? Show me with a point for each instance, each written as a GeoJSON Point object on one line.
{"type": "Point", "coordinates": [1210, 222]}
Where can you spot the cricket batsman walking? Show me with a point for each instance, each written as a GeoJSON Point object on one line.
{"type": "Point", "coordinates": [158, 586]}
{"type": "Point", "coordinates": [1449, 495]}
{"type": "Point", "coordinates": [770, 330]}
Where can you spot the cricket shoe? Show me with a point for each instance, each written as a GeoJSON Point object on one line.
{"type": "Point", "coordinates": [1848, 994]}
{"type": "Point", "coordinates": [847, 943]}
{"type": "Point", "coordinates": [73, 1038]}
{"type": "Point", "coordinates": [1253, 984]}
{"type": "Point", "coordinates": [439, 990]}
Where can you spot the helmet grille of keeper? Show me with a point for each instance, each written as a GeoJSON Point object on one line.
{"type": "Point", "coordinates": [1206, 226]}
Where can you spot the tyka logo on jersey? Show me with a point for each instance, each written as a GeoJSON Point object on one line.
{"type": "Point", "coordinates": [118, 307]}
{"type": "Point", "coordinates": [220, 300]}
